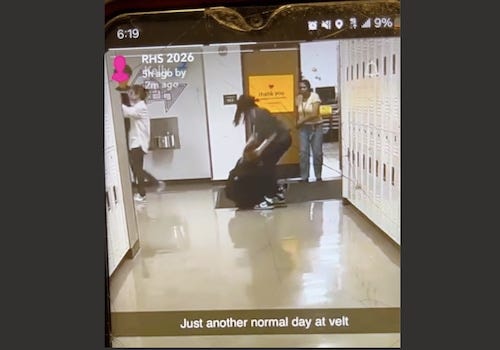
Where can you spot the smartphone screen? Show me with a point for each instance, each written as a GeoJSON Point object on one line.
{"type": "Point", "coordinates": [318, 265]}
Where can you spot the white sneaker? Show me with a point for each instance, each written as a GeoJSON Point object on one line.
{"type": "Point", "coordinates": [161, 186]}
{"type": "Point", "coordinates": [139, 198]}
{"type": "Point", "coordinates": [266, 204]}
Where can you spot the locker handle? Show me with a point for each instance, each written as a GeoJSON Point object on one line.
{"type": "Point", "coordinates": [114, 194]}
{"type": "Point", "coordinates": [107, 201]}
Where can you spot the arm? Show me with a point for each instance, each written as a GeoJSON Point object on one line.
{"type": "Point", "coordinates": [138, 111]}
{"type": "Point", "coordinates": [249, 150]}
{"type": "Point", "coordinates": [250, 141]}
{"type": "Point", "coordinates": [264, 144]}
{"type": "Point", "coordinates": [313, 114]}
{"type": "Point", "coordinates": [252, 154]}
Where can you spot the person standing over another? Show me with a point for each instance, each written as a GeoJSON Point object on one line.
{"type": "Point", "coordinates": [309, 123]}
{"type": "Point", "coordinates": [270, 139]}
{"type": "Point", "coordinates": [139, 137]}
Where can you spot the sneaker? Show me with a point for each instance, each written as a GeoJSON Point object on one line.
{"type": "Point", "coordinates": [278, 199]}
{"type": "Point", "coordinates": [139, 198]}
{"type": "Point", "coordinates": [282, 188]}
{"type": "Point", "coordinates": [266, 204]}
{"type": "Point", "coordinates": [161, 186]}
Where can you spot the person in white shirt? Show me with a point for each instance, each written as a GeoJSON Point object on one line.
{"type": "Point", "coordinates": [123, 87]}
{"type": "Point", "coordinates": [309, 123]}
{"type": "Point", "coordinates": [139, 137]}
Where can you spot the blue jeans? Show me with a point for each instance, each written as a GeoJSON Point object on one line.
{"type": "Point", "coordinates": [311, 137]}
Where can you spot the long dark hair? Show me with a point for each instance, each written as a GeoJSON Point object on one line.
{"type": "Point", "coordinates": [244, 103]}
{"type": "Point", "coordinates": [307, 84]}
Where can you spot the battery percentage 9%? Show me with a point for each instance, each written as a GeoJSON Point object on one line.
{"type": "Point", "coordinates": [383, 22]}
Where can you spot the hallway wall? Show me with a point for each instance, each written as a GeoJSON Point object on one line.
{"type": "Point", "coordinates": [319, 62]}
{"type": "Point", "coordinates": [222, 73]}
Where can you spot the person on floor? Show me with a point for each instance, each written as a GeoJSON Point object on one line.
{"type": "Point", "coordinates": [139, 138]}
{"type": "Point", "coordinates": [309, 123]}
{"type": "Point", "coordinates": [270, 138]}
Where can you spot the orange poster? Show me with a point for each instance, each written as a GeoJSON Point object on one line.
{"type": "Point", "coordinates": [274, 92]}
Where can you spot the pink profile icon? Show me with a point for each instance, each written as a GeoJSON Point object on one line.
{"type": "Point", "coordinates": [119, 75]}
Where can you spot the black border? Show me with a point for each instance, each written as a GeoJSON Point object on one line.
{"type": "Point", "coordinates": [437, 262]}
{"type": "Point", "coordinates": [53, 252]}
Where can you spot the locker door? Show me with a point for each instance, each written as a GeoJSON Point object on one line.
{"type": "Point", "coordinates": [117, 233]}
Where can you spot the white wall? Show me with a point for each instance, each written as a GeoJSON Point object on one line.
{"type": "Point", "coordinates": [223, 77]}
{"type": "Point", "coordinates": [318, 62]}
{"type": "Point", "coordinates": [192, 159]}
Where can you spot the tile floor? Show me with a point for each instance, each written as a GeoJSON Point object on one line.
{"type": "Point", "coordinates": [319, 254]}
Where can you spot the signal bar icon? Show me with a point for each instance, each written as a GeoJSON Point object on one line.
{"type": "Point", "coordinates": [367, 23]}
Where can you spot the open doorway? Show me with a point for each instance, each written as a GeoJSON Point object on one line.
{"type": "Point", "coordinates": [267, 68]}
{"type": "Point", "coordinates": [319, 64]}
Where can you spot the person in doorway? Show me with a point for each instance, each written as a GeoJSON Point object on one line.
{"type": "Point", "coordinates": [139, 138]}
{"type": "Point", "coordinates": [309, 123]}
{"type": "Point", "coordinates": [269, 139]}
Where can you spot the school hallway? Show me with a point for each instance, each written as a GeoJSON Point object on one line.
{"type": "Point", "coordinates": [319, 254]}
